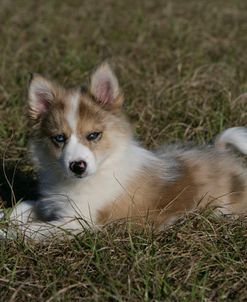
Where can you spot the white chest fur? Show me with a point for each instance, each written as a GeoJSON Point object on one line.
{"type": "Point", "coordinates": [84, 197]}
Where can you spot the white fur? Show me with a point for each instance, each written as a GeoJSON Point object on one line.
{"type": "Point", "coordinates": [72, 114]}
{"type": "Point", "coordinates": [23, 217]}
{"type": "Point", "coordinates": [75, 151]}
{"type": "Point", "coordinates": [89, 195]}
{"type": "Point", "coordinates": [236, 136]}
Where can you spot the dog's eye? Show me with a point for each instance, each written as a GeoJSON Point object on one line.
{"type": "Point", "coordinates": [93, 136]}
{"type": "Point", "coordinates": [59, 138]}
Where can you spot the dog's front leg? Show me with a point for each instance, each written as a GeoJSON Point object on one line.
{"type": "Point", "coordinates": [24, 222]}
{"type": "Point", "coordinates": [20, 215]}
{"type": "Point", "coordinates": [40, 231]}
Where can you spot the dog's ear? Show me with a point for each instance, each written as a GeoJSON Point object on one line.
{"type": "Point", "coordinates": [105, 88]}
{"type": "Point", "coordinates": [41, 94]}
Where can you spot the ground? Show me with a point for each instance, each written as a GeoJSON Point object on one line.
{"type": "Point", "coordinates": [183, 68]}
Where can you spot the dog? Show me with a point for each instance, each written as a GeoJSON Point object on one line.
{"type": "Point", "coordinates": [92, 171]}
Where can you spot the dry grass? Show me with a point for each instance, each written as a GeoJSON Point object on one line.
{"type": "Point", "coordinates": [200, 259]}
{"type": "Point", "coordinates": [183, 68]}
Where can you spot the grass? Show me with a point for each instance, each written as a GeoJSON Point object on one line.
{"type": "Point", "coordinates": [183, 68]}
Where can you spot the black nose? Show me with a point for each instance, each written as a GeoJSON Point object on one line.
{"type": "Point", "coordinates": [78, 167]}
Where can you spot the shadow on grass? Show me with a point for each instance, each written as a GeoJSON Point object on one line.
{"type": "Point", "coordinates": [16, 183]}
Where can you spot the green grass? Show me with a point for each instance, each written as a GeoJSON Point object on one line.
{"type": "Point", "coordinates": [183, 68]}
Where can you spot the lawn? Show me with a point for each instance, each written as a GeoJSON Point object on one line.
{"type": "Point", "coordinates": [183, 68]}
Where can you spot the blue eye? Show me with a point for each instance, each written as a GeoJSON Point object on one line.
{"type": "Point", "coordinates": [94, 136]}
{"type": "Point", "coordinates": [59, 138]}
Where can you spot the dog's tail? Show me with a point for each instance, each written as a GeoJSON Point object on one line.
{"type": "Point", "coordinates": [236, 137]}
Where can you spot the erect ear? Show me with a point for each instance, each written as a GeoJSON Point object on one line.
{"type": "Point", "coordinates": [41, 94]}
{"type": "Point", "coordinates": [105, 88]}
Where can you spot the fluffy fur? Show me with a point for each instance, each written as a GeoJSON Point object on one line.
{"type": "Point", "coordinates": [88, 182]}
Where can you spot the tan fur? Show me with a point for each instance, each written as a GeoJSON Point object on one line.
{"type": "Point", "coordinates": [53, 121]}
{"type": "Point", "coordinates": [150, 198]}
{"type": "Point", "coordinates": [95, 118]}
{"type": "Point", "coordinates": [214, 180]}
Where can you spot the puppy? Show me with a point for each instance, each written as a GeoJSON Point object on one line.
{"type": "Point", "coordinates": [92, 171]}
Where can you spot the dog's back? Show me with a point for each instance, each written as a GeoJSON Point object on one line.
{"type": "Point", "coordinates": [181, 180]}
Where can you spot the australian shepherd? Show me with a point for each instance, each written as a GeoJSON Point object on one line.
{"type": "Point", "coordinates": [92, 171]}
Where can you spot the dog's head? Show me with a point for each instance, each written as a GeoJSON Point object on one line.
{"type": "Point", "coordinates": [77, 130]}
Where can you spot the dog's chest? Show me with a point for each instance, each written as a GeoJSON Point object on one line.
{"type": "Point", "coordinates": [86, 199]}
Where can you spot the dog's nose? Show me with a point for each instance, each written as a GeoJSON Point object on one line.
{"type": "Point", "coordinates": [78, 167]}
